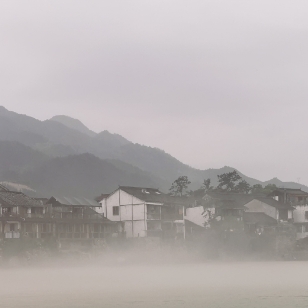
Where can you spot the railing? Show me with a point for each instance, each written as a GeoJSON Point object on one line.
{"type": "Point", "coordinates": [12, 234]}
{"type": "Point", "coordinates": [34, 215]}
{"type": "Point", "coordinates": [9, 215]}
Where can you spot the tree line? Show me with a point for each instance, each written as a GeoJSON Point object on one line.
{"type": "Point", "coordinates": [227, 182]}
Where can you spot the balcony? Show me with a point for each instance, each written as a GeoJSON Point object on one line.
{"type": "Point", "coordinates": [12, 234]}
{"type": "Point", "coordinates": [35, 215]}
{"type": "Point", "coordinates": [8, 215]}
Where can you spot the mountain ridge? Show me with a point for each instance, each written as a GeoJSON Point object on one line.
{"type": "Point", "coordinates": [54, 139]}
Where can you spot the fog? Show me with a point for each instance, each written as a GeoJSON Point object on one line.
{"type": "Point", "coordinates": [230, 74]}
{"type": "Point", "coordinates": [270, 284]}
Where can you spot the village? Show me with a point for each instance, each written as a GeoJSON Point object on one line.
{"type": "Point", "coordinates": [213, 223]}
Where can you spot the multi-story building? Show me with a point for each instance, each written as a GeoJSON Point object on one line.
{"type": "Point", "coordinates": [65, 219]}
{"type": "Point", "coordinates": [248, 211]}
{"type": "Point", "coordinates": [298, 200]}
{"type": "Point", "coordinates": [145, 212]}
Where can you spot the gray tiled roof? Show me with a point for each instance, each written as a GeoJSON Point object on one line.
{"type": "Point", "coordinates": [235, 200]}
{"type": "Point", "coordinates": [13, 198]}
{"type": "Point", "coordinates": [291, 191]}
{"type": "Point", "coordinates": [74, 201]}
{"type": "Point", "coordinates": [154, 195]}
{"type": "Point", "coordinates": [274, 203]}
{"type": "Point", "coordinates": [3, 188]}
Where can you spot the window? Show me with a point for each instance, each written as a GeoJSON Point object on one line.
{"type": "Point", "coordinates": [306, 214]}
{"type": "Point", "coordinates": [115, 211]}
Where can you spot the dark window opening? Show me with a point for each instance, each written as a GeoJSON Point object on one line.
{"type": "Point", "coordinates": [115, 210]}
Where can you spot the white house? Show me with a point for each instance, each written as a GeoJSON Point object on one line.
{"type": "Point", "coordinates": [143, 212]}
{"type": "Point", "coordinates": [272, 208]}
{"type": "Point", "coordinates": [298, 199]}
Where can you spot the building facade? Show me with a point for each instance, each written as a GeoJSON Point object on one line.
{"type": "Point", "coordinates": [60, 219]}
{"type": "Point", "coordinates": [145, 212]}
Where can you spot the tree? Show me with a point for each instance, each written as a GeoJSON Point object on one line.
{"type": "Point", "coordinates": [179, 186]}
{"type": "Point", "coordinates": [242, 187]}
{"type": "Point", "coordinates": [206, 186]}
{"type": "Point", "coordinates": [269, 188]}
{"type": "Point", "coordinates": [257, 189]}
{"type": "Point", "coordinates": [228, 181]}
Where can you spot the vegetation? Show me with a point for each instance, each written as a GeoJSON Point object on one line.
{"type": "Point", "coordinates": [179, 186]}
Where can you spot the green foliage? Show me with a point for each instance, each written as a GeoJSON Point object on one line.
{"type": "Point", "coordinates": [232, 182]}
{"type": "Point", "coordinates": [242, 187]}
{"type": "Point", "coordinates": [206, 186]}
{"type": "Point", "coordinates": [228, 181]}
{"type": "Point", "coordinates": [259, 189]}
{"type": "Point", "coordinates": [179, 186]}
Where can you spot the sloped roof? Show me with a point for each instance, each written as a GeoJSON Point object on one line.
{"type": "Point", "coordinates": [291, 191]}
{"type": "Point", "coordinates": [258, 218]}
{"type": "Point", "coordinates": [14, 198]}
{"type": "Point", "coordinates": [231, 200]}
{"type": "Point", "coordinates": [275, 203]}
{"type": "Point", "coordinates": [72, 201]}
{"type": "Point", "coordinates": [101, 197]}
{"type": "Point", "coordinates": [152, 195]}
{"type": "Point", "coordinates": [3, 188]}
{"type": "Point", "coordinates": [238, 201]}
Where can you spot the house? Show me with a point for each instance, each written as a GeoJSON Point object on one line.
{"type": "Point", "coordinates": [145, 212]}
{"type": "Point", "coordinates": [20, 214]}
{"type": "Point", "coordinates": [65, 219]}
{"type": "Point", "coordinates": [298, 199]}
{"type": "Point", "coordinates": [76, 219]}
{"type": "Point", "coordinates": [248, 211]}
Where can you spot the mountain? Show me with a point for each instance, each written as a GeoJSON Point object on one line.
{"type": "Point", "coordinates": [73, 175]}
{"type": "Point", "coordinates": [15, 158]}
{"type": "Point", "coordinates": [83, 175]}
{"type": "Point", "coordinates": [63, 139]}
{"type": "Point", "coordinates": [73, 124]}
{"type": "Point", "coordinates": [35, 133]}
{"type": "Point", "coordinates": [279, 183]}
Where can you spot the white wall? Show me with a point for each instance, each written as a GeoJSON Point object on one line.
{"type": "Point", "coordinates": [299, 213]}
{"type": "Point", "coordinates": [133, 212]}
{"type": "Point", "coordinates": [131, 208]}
{"type": "Point", "coordinates": [195, 215]}
{"type": "Point", "coordinates": [111, 201]}
{"type": "Point", "coordinates": [135, 228]}
{"type": "Point", "coordinates": [261, 207]}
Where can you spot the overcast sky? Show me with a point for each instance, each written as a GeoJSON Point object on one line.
{"type": "Point", "coordinates": [213, 83]}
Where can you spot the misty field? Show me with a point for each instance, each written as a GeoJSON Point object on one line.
{"type": "Point", "coordinates": [270, 284]}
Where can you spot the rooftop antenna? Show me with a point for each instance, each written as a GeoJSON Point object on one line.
{"type": "Point", "coordinates": [298, 180]}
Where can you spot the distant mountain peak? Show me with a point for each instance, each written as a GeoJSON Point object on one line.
{"type": "Point", "coordinates": [115, 139]}
{"type": "Point", "coordinates": [73, 124]}
{"type": "Point", "coordinates": [3, 109]}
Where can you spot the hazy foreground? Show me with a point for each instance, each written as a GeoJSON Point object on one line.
{"type": "Point", "coordinates": [270, 284]}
